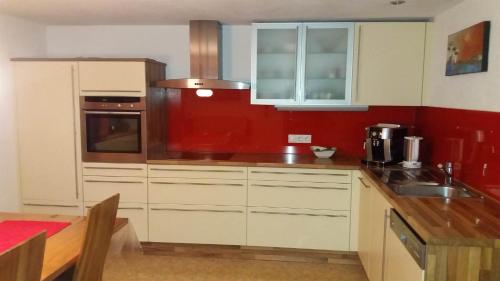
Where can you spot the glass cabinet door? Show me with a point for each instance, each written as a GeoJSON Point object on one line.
{"type": "Point", "coordinates": [274, 63]}
{"type": "Point", "coordinates": [327, 67]}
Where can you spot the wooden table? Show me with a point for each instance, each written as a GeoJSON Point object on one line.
{"type": "Point", "coordinates": [63, 248]}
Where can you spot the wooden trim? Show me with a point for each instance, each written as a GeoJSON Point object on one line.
{"type": "Point", "coordinates": [250, 253]}
{"type": "Point", "coordinates": [148, 60]}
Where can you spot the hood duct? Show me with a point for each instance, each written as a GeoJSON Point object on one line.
{"type": "Point", "coordinates": [205, 46]}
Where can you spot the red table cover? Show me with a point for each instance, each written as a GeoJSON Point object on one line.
{"type": "Point", "coordinates": [13, 232]}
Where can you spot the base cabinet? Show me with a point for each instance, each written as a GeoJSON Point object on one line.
{"type": "Point", "coordinates": [298, 228]}
{"type": "Point", "coordinates": [198, 224]}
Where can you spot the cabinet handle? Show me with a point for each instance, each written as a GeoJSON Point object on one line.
{"type": "Point", "coordinates": [197, 184]}
{"type": "Point", "coordinates": [356, 98]}
{"type": "Point", "coordinates": [112, 112]}
{"type": "Point", "coordinates": [199, 210]}
{"type": "Point", "coordinates": [188, 170]}
{"type": "Point", "coordinates": [111, 91]}
{"type": "Point", "coordinates": [104, 181]}
{"type": "Point", "coordinates": [77, 193]}
{"type": "Point", "coordinates": [363, 182]}
{"type": "Point", "coordinates": [296, 214]}
{"type": "Point", "coordinates": [307, 187]}
{"type": "Point", "coordinates": [122, 208]}
{"type": "Point", "coordinates": [299, 173]}
{"type": "Point", "coordinates": [114, 168]}
{"type": "Point", "coordinates": [51, 205]}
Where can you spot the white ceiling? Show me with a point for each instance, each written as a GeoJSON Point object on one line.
{"type": "Point", "coordinates": [68, 12]}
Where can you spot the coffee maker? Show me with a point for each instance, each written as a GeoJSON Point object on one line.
{"type": "Point", "coordinates": [384, 144]}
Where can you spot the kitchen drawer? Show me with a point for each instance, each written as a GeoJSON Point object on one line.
{"type": "Point", "coordinates": [115, 170]}
{"type": "Point", "coordinates": [201, 224]}
{"type": "Point", "coordinates": [305, 175]}
{"type": "Point", "coordinates": [197, 191]}
{"type": "Point", "coordinates": [197, 172]}
{"type": "Point", "coordinates": [131, 189]}
{"type": "Point", "coordinates": [298, 228]}
{"type": "Point", "coordinates": [112, 78]}
{"type": "Point", "coordinates": [137, 213]}
{"type": "Point", "coordinates": [307, 195]}
{"type": "Point", "coordinates": [52, 207]}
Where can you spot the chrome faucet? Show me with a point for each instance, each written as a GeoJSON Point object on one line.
{"type": "Point", "coordinates": [447, 168]}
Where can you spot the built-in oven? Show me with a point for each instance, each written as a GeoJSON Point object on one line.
{"type": "Point", "coordinates": [113, 129]}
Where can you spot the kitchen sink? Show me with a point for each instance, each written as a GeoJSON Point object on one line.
{"type": "Point", "coordinates": [424, 182]}
{"type": "Point", "coordinates": [432, 191]}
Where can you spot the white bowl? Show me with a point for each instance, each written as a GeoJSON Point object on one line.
{"type": "Point", "coordinates": [323, 152]}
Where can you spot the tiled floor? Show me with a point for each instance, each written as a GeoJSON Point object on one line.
{"type": "Point", "coordinates": [156, 268]}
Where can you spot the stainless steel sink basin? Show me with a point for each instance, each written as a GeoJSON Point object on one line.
{"type": "Point", "coordinates": [433, 191]}
{"type": "Point", "coordinates": [421, 183]}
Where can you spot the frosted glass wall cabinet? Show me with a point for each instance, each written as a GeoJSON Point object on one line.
{"type": "Point", "coordinates": [302, 63]}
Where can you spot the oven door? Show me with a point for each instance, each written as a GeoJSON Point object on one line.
{"type": "Point", "coordinates": [114, 136]}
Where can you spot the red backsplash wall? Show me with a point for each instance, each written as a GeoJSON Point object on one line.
{"type": "Point", "coordinates": [227, 122]}
{"type": "Point", "coordinates": [468, 138]}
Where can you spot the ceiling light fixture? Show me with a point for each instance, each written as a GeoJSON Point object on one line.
{"type": "Point", "coordinates": [397, 2]}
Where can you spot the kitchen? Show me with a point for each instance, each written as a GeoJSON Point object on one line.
{"type": "Point", "coordinates": [213, 161]}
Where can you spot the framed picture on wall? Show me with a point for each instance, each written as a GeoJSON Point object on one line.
{"type": "Point", "coordinates": [468, 50]}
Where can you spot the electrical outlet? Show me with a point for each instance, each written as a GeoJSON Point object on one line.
{"type": "Point", "coordinates": [299, 138]}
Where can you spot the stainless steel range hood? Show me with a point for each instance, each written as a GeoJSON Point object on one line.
{"type": "Point", "coordinates": [206, 60]}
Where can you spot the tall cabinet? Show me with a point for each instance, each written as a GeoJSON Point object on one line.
{"type": "Point", "coordinates": [302, 63]}
{"type": "Point", "coordinates": [49, 137]}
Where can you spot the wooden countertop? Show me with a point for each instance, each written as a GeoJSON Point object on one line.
{"type": "Point", "coordinates": [257, 160]}
{"type": "Point", "coordinates": [468, 221]}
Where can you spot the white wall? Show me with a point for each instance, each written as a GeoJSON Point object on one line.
{"type": "Point", "coordinates": [480, 91]}
{"type": "Point", "coordinates": [17, 38]}
{"type": "Point", "coordinates": [168, 44]}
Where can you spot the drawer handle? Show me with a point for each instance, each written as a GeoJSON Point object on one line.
{"type": "Point", "coordinates": [51, 205]}
{"type": "Point", "coordinates": [301, 173]}
{"type": "Point", "coordinates": [296, 214]}
{"type": "Point", "coordinates": [114, 168]}
{"type": "Point", "coordinates": [307, 187]}
{"type": "Point", "coordinates": [188, 170]}
{"type": "Point", "coordinates": [121, 208]}
{"type": "Point", "coordinates": [111, 91]}
{"type": "Point", "coordinates": [363, 183]}
{"type": "Point", "coordinates": [196, 183]}
{"type": "Point", "coordinates": [104, 181]}
{"type": "Point", "coordinates": [200, 210]}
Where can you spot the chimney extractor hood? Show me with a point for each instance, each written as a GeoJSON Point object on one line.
{"type": "Point", "coordinates": [205, 46]}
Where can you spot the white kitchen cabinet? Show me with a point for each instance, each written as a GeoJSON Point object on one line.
{"type": "Point", "coordinates": [112, 78]}
{"type": "Point", "coordinates": [202, 224]}
{"type": "Point", "coordinates": [115, 169]}
{"type": "Point", "coordinates": [298, 228]}
{"type": "Point", "coordinates": [307, 195]}
{"type": "Point", "coordinates": [389, 63]}
{"type": "Point", "coordinates": [48, 136]}
{"type": "Point", "coordinates": [137, 213]}
{"type": "Point", "coordinates": [298, 174]}
{"type": "Point", "coordinates": [312, 206]}
{"type": "Point", "coordinates": [364, 228]}
{"type": "Point", "coordinates": [197, 172]}
{"type": "Point", "coordinates": [131, 189]}
{"type": "Point", "coordinates": [197, 204]}
{"type": "Point", "coordinates": [373, 222]}
{"type": "Point", "coordinates": [197, 191]}
{"type": "Point", "coordinates": [302, 63]}
{"type": "Point", "coordinates": [103, 180]}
